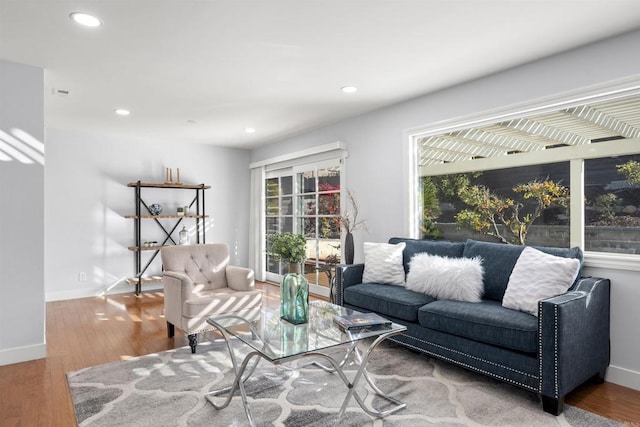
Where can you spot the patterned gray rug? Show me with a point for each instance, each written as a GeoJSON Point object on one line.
{"type": "Point", "coordinates": [167, 389]}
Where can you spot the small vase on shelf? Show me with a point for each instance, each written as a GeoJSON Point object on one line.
{"type": "Point", "coordinates": [184, 236]}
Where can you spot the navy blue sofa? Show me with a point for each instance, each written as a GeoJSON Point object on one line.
{"type": "Point", "coordinates": [566, 345]}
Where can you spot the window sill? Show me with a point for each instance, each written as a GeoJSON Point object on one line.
{"type": "Point", "coordinates": [612, 260]}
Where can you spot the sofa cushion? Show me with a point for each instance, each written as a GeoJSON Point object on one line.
{"type": "Point", "coordinates": [486, 322]}
{"type": "Point", "coordinates": [537, 276]}
{"type": "Point", "coordinates": [446, 278]}
{"type": "Point", "coordinates": [499, 260]}
{"type": "Point", "coordinates": [433, 247]}
{"type": "Point", "coordinates": [383, 263]}
{"type": "Point", "coordinates": [394, 301]}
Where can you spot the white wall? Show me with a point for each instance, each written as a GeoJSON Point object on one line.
{"type": "Point", "coordinates": [86, 197]}
{"type": "Point", "coordinates": [22, 313]}
{"type": "Point", "coordinates": [375, 165]}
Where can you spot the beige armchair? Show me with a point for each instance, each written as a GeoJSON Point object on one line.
{"type": "Point", "coordinates": [198, 283]}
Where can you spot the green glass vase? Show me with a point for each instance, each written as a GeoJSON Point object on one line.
{"type": "Point", "coordinates": [294, 338]}
{"type": "Point", "coordinates": [294, 297]}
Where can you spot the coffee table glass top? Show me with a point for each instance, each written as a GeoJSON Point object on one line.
{"type": "Point", "coordinates": [277, 340]}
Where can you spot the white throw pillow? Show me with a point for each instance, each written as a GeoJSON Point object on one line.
{"type": "Point", "coordinates": [446, 278]}
{"type": "Point", "coordinates": [383, 263]}
{"type": "Point", "coordinates": [537, 276]}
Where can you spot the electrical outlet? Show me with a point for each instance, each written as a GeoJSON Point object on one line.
{"type": "Point", "coordinates": [82, 276]}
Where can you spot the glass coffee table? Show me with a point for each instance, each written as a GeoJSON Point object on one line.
{"type": "Point", "coordinates": [279, 341]}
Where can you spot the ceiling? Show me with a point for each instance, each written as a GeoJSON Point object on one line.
{"type": "Point", "coordinates": [203, 71]}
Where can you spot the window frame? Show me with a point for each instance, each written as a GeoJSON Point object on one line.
{"type": "Point", "coordinates": [575, 155]}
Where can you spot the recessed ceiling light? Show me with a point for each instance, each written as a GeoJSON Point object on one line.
{"type": "Point", "coordinates": [349, 89]}
{"type": "Point", "coordinates": [85, 19]}
{"type": "Point", "coordinates": [249, 130]}
{"type": "Point", "coordinates": [122, 112]}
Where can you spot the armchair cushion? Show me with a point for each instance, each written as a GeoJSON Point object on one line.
{"type": "Point", "coordinates": [220, 301]}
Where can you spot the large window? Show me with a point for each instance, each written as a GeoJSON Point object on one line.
{"type": "Point", "coordinates": [612, 210]}
{"type": "Point", "coordinates": [525, 205]}
{"type": "Point", "coordinates": [568, 175]}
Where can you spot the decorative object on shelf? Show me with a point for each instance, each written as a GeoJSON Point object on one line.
{"type": "Point", "coordinates": [186, 210]}
{"type": "Point", "coordinates": [180, 211]}
{"type": "Point", "coordinates": [350, 223]}
{"type": "Point", "coordinates": [184, 236]}
{"type": "Point", "coordinates": [155, 209]}
{"type": "Point", "coordinates": [168, 179]}
{"type": "Point", "coordinates": [294, 288]}
{"type": "Point", "coordinates": [178, 182]}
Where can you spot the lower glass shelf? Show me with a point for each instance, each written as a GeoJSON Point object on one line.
{"type": "Point", "coordinates": [146, 279]}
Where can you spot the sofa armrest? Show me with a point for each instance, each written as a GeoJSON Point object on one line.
{"type": "Point", "coordinates": [240, 278]}
{"type": "Point", "coordinates": [574, 336]}
{"type": "Point", "coordinates": [347, 275]}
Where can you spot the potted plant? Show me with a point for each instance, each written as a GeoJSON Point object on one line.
{"type": "Point", "coordinates": [180, 211]}
{"type": "Point", "coordinates": [294, 288]}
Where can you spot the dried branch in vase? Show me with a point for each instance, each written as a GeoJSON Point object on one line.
{"type": "Point", "coordinates": [349, 220]}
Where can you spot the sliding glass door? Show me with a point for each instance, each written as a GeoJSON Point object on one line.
{"type": "Point", "coordinates": [306, 199]}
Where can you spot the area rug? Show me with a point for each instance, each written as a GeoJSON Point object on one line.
{"type": "Point", "coordinates": [167, 389]}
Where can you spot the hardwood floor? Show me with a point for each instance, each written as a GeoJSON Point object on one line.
{"type": "Point", "coordinates": [91, 331]}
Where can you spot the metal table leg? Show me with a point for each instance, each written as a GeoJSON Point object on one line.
{"type": "Point", "coordinates": [238, 382]}
{"type": "Point", "coordinates": [337, 367]}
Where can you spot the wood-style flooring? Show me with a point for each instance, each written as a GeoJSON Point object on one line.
{"type": "Point", "coordinates": [91, 331]}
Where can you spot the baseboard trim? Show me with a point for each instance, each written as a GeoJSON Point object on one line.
{"type": "Point", "coordinates": [623, 376]}
{"type": "Point", "coordinates": [23, 354]}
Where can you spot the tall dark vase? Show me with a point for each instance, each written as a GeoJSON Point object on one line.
{"type": "Point", "coordinates": [348, 248]}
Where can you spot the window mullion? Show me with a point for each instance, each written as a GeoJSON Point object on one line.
{"type": "Point", "coordinates": [576, 203]}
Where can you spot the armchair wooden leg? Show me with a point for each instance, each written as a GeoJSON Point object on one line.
{"type": "Point", "coordinates": [171, 330]}
{"type": "Point", "coordinates": [193, 342]}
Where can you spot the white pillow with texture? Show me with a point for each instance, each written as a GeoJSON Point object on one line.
{"type": "Point", "coordinates": [537, 276]}
{"type": "Point", "coordinates": [446, 278]}
{"type": "Point", "coordinates": [383, 263]}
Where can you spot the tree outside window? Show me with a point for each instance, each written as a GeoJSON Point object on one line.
{"type": "Point", "coordinates": [526, 205]}
{"type": "Point", "coordinates": [530, 205]}
{"type": "Point", "coordinates": [612, 205]}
